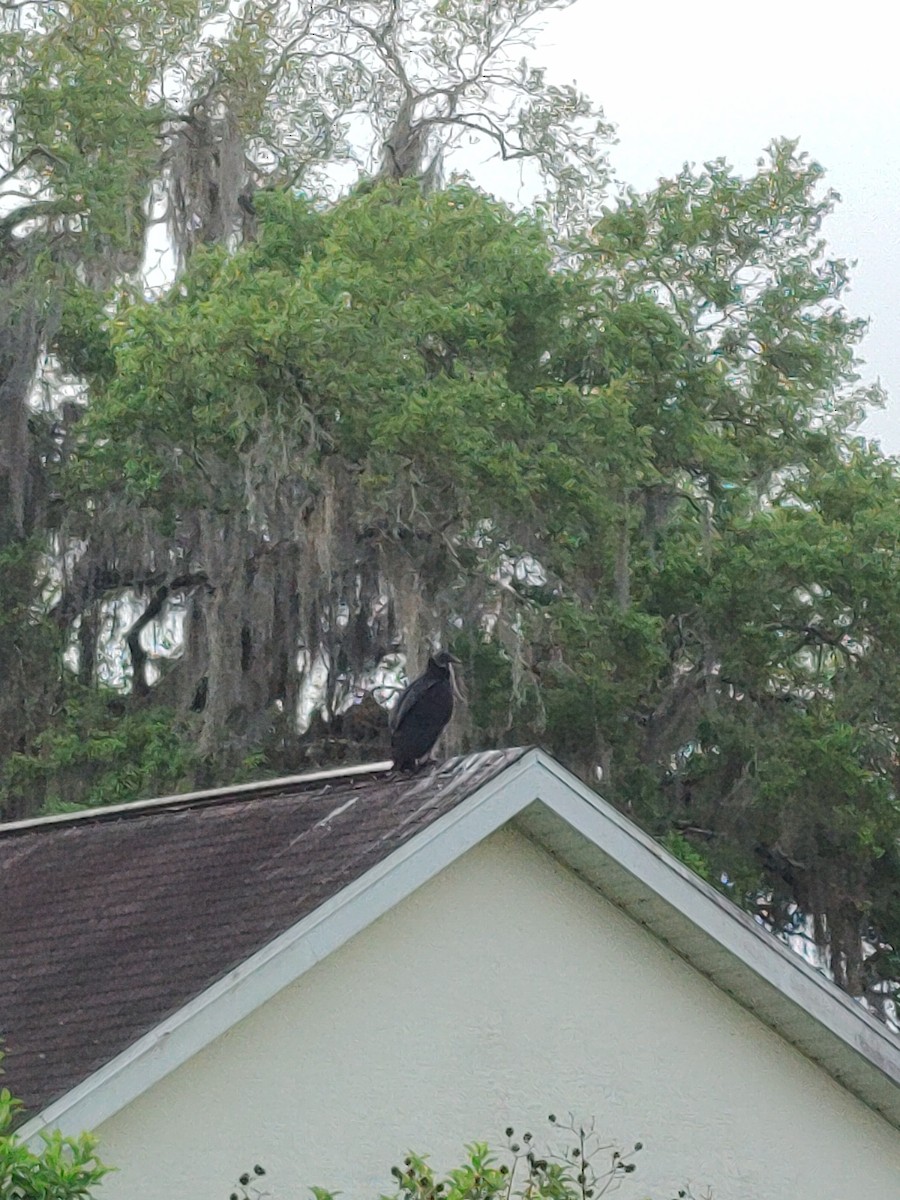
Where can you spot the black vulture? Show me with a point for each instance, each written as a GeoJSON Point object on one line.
{"type": "Point", "coordinates": [423, 710]}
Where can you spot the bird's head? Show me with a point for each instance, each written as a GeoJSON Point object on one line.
{"type": "Point", "coordinates": [444, 661]}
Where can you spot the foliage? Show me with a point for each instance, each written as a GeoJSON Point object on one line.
{"type": "Point", "coordinates": [243, 345]}
{"type": "Point", "coordinates": [30, 648]}
{"type": "Point", "coordinates": [585, 1170]}
{"type": "Point", "coordinates": [98, 752]}
{"type": "Point", "coordinates": [63, 1169]}
{"type": "Point", "coordinates": [211, 101]}
{"type": "Point", "coordinates": [678, 845]}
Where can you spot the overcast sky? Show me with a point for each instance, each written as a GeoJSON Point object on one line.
{"type": "Point", "coordinates": [698, 80]}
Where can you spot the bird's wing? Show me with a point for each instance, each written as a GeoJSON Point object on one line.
{"type": "Point", "coordinates": [416, 690]}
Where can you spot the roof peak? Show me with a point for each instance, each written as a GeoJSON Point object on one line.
{"type": "Point", "coordinates": [258, 790]}
{"type": "Point", "coordinates": [261, 787]}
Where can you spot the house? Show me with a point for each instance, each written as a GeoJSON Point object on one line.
{"type": "Point", "coordinates": [320, 973]}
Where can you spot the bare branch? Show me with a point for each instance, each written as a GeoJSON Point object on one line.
{"type": "Point", "coordinates": [139, 655]}
{"type": "Point", "coordinates": [815, 635]}
{"type": "Point", "coordinates": [34, 152]}
{"type": "Point", "coordinates": [34, 211]}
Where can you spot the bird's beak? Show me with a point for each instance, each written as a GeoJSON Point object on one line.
{"type": "Point", "coordinates": [454, 681]}
{"type": "Point", "coordinates": [457, 662]}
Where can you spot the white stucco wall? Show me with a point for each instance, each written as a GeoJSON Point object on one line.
{"type": "Point", "coordinates": [503, 990]}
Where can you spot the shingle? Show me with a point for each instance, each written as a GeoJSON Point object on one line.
{"type": "Point", "coordinates": [111, 922]}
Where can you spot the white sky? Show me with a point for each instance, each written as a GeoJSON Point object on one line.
{"type": "Point", "coordinates": [703, 79]}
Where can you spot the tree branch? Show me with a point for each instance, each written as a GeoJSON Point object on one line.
{"type": "Point", "coordinates": [40, 208]}
{"type": "Point", "coordinates": [813, 635]}
{"type": "Point", "coordinates": [139, 684]}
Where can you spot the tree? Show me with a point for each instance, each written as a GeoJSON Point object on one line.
{"type": "Point", "coordinates": [371, 492]}
{"type": "Point", "coordinates": [772, 615]}
{"type": "Point", "coordinates": [212, 102]}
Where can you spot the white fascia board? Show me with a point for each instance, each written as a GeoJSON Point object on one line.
{"type": "Point", "coordinates": [571, 821]}
{"type": "Point", "coordinates": [702, 925]}
{"type": "Point", "coordinates": [283, 960]}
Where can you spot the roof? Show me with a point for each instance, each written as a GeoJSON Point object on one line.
{"type": "Point", "coordinates": [132, 937]}
{"type": "Point", "coordinates": [111, 919]}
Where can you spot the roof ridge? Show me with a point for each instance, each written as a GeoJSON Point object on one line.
{"type": "Point", "coordinates": [220, 795]}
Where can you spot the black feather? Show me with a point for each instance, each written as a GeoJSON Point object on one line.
{"type": "Point", "coordinates": [423, 710]}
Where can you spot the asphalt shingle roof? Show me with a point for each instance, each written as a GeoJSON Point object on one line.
{"type": "Point", "coordinates": [111, 922]}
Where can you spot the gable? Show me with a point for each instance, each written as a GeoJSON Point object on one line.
{"type": "Point", "coordinates": [504, 988]}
